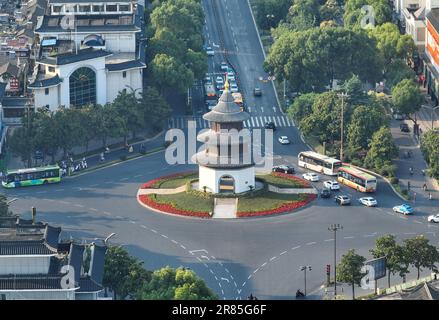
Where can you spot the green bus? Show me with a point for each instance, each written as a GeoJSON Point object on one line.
{"type": "Point", "coordinates": [32, 176]}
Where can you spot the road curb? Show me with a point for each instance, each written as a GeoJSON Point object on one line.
{"type": "Point", "coordinates": [115, 162]}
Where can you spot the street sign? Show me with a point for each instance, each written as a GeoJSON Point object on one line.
{"type": "Point", "coordinates": [380, 267]}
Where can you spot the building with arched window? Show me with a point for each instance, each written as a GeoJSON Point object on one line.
{"type": "Point", "coordinates": [90, 58]}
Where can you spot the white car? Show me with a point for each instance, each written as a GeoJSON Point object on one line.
{"type": "Point", "coordinates": [284, 140]}
{"type": "Point", "coordinates": [234, 87]}
{"type": "Point", "coordinates": [368, 202]}
{"type": "Point", "coordinates": [311, 176]}
{"type": "Point", "coordinates": [210, 52]}
{"type": "Point", "coordinates": [224, 66]}
{"type": "Point", "coordinates": [331, 185]}
{"type": "Point", "coordinates": [433, 218]}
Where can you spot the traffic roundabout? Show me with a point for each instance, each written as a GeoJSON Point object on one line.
{"type": "Point", "coordinates": [178, 194]}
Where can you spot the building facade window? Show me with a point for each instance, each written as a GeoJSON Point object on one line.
{"type": "Point", "coordinates": [111, 7]}
{"type": "Point", "coordinates": [82, 87]}
{"type": "Point", "coordinates": [124, 7]}
{"type": "Point", "coordinates": [98, 8]}
{"type": "Point", "coordinates": [56, 9]}
{"type": "Point", "coordinates": [51, 69]}
{"type": "Point", "coordinates": [124, 74]}
{"type": "Point", "coordinates": [85, 8]}
{"type": "Point", "coordinates": [46, 91]}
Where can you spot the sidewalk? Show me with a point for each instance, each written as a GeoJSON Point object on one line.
{"type": "Point", "coordinates": [407, 142]}
{"type": "Point", "coordinates": [93, 160]}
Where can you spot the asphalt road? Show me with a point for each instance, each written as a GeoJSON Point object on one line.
{"type": "Point", "coordinates": [236, 257]}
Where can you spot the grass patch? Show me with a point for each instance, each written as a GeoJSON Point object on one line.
{"type": "Point", "coordinates": [175, 182]}
{"type": "Point", "coordinates": [281, 182]}
{"type": "Point", "coordinates": [399, 190]}
{"type": "Point", "coordinates": [267, 201]}
{"type": "Point", "coordinates": [186, 201]}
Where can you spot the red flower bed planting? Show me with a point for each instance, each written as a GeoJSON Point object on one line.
{"type": "Point", "coordinates": [165, 207]}
{"type": "Point", "coordinates": [283, 208]}
{"type": "Point", "coordinates": [304, 183]}
{"type": "Point", "coordinates": [153, 184]}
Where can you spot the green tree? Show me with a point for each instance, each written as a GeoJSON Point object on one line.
{"type": "Point", "coordinates": [155, 109]}
{"type": "Point", "coordinates": [331, 10]}
{"type": "Point", "coordinates": [128, 107]}
{"type": "Point", "coordinates": [406, 97]}
{"type": "Point", "coordinates": [107, 122]}
{"type": "Point", "coordinates": [382, 150]}
{"type": "Point", "coordinates": [397, 71]}
{"type": "Point", "coordinates": [46, 138]}
{"type": "Point", "coordinates": [421, 254]}
{"type": "Point", "coordinates": [304, 11]}
{"type": "Point", "coordinates": [430, 149]}
{"type": "Point", "coordinates": [349, 269]}
{"type": "Point", "coordinates": [382, 12]}
{"type": "Point", "coordinates": [196, 62]}
{"type": "Point", "coordinates": [353, 87]}
{"type": "Point", "coordinates": [302, 106]}
{"type": "Point", "coordinates": [4, 206]}
{"type": "Point", "coordinates": [386, 246]}
{"type": "Point", "coordinates": [364, 122]}
{"type": "Point", "coordinates": [270, 12]}
{"type": "Point", "coordinates": [123, 274]}
{"type": "Point", "coordinates": [169, 73]}
{"type": "Point", "coordinates": [176, 284]}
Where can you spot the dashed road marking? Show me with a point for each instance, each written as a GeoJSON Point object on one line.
{"type": "Point", "coordinates": [94, 209]}
{"type": "Point", "coordinates": [311, 243]}
{"type": "Point", "coordinates": [348, 237]}
{"type": "Point", "coordinates": [143, 226]}
{"type": "Point", "coordinates": [79, 205]}
{"type": "Point", "coordinates": [164, 236]}
{"type": "Point", "coordinates": [282, 253]}
{"type": "Point", "coordinates": [272, 258]}
{"type": "Point", "coordinates": [294, 248]}
{"type": "Point", "coordinates": [107, 213]}
{"type": "Point", "coordinates": [155, 231]}
{"type": "Point", "coordinates": [327, 240]}
{"type": "Point", "coordinates": [264, 264]}
{"type": "Point", "coordinates": [183, 247]}
{"type": "Point", "coordinates": [174, 242]}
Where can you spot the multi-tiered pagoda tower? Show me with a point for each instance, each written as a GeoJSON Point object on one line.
{"type": "Point", "coordinates": [226, 164]}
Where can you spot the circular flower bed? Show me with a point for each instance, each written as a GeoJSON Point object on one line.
{"type": "Point", "coordinates": [301, 182]}
{"type": "Point", "coordinates": [169, 208]}
{"type": "Point", "coordinates": [155, 183]}
{"type": "Point", "coordinates": [283, 208]}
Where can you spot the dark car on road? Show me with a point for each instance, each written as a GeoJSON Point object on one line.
{"type": "Point", "coordinates": [404, 127]}
{"type": "Point", "coordinates": [325, 193]}
{"type": "Point", "coordinates": [270, 125]}
{"type": "Point", "coordinates": [257, 92]}
{"type": "Point", "coordinates": [284, 169]}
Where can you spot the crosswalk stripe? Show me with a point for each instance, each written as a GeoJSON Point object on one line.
{"type": "Point", "coordinates": [245, 124]}
{"type": "Point", "coordinates": [279, 120]}
{"type": "Point", "coordinates": [257, 122]}
{"type": "Point", "coordinates": [274, 121]}
{"type": "Point", "coordinates": [283, 121]}
{"type": "Point", "coordinates": [265, 120]}
{"type": "Point", "coordinates": [288, 121]}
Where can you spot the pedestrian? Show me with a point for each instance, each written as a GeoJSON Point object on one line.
{"type": "Point", "coordinates": [130, 149]}
{"type": "Point", "coordinates": [430, 197]}
{"type": "Point", "coordinates": [424, 187]}
{"type": "Point", "coordinates": [107, 150]}
{"type": "Point", "coordinates": [142, 148]}
{"type": "Point", "coordinates": [102, 157]}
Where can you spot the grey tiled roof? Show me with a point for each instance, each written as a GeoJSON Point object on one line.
{"type": "Point", "coordinates": [125, 65]}
{"type": "Point", "coordinates": [30, 282]}
{"type": "Point", "coordinates": [67, 58]}
{"type": "Point", "coordinates": [44, 83]}
{"type": "Point", "coordinates": [226, 110]}
{"type": "Point", "coordinates": [88, 285]}
{"type": "Point", "coordinates": [25, 247]}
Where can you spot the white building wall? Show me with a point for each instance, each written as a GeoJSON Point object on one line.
{"type": "Point", "coordinates": [210, 177]}
{"type": "Point", "coordinates": [116, 82]}
{"type": "Point", "coordinates": [52, 99]}
{"type": "Point", "coordinates": [24, 264]}
{"type": "Point", "coordinates": [38, 294]}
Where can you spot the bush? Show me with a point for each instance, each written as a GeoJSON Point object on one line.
{"type": "Point", "coordinates": [404, 192]}
{"type": "Point", "coordinates": [394, 180]}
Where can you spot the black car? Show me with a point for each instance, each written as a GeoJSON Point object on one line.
{"type": "Point", "coordinates": [284, 169]}
{"type": "Point", "coordinates": [404, 127]}
{"type": "Point", "coordinates": [270, 125]}
{"type": "Point", "coordinates": [325, 193]}
{"type": "Point", "coordinates": [257, 92]}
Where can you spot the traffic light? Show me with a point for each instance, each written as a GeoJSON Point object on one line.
{"type": "Point", "coordinates": [328, 269]}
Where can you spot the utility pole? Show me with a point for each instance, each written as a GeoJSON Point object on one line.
{"type": "Point", "coordinates": [342, 96]}
{"type": "Point", "coordinates": [304, 268]}
{"type": "Point", "coordinates": [334, 228]}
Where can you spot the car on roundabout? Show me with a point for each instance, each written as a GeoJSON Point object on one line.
{"type": "Point", "coordinates": [284, 169]}
{"type": "Point", "coordinates": [270, 125]}
{"type": "Point", "coordinates": [433, 218]}
{"type": "Point", "coordinates": [325, 193]}
{"type": "Point", "coordinates": [404, 209]}
{"type": "Point", "coordinates": [331, 185]}
{"type": "Point", "coordinates": [284, 140]}
{"type": "Point", "coordinates": [368, 201]}
{"type": "Point", "coordinates": [311, 176]}
{"type": "Point", "coordinates": [343, 200]}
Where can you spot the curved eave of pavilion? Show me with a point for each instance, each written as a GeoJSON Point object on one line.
{"type": "Point", "coordinates": [230, 117]}
{"type": "Point", "coordinates": [217, 162]}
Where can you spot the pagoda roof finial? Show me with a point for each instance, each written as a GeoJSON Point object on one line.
{"type": "Point", "coordinates": [226, 84]}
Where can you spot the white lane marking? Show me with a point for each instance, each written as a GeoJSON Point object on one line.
{"type": "Point", "coordinates": [200, 250]}
{"type": "Point", "coordinates": [64, 202]}
{"type": "Point", "coordinates": [348, 237]}
{"type": "Point", "coordinates": [138, 176]}
{"type": "Point", "coordinates": [205, 257]}
{"type": "Point", "coordinates": [183, 247]}
{"type": "Point", "coordinates": [155, 231]}
{"type": "Point", "coordinates": [107, 213]}
{"type": "Point", "coordinates": [236, 285]}
{"type": "Point", "coordinates": [227, 270]}
{"type": "Point", "coordinates": [311, 243]}
{"type": "Point", "coordinates": [123, 179]}
{"type": "Point", "coordinates": [295, 248]}
{"type": "Point", "coordinates": [119, 217]}
{"type": "Point", "coordinates": [79, 205]}
{"type": "Point", "coordinates": [249, 277]}
{"type": "Point", "coordinates": [174, 242]}
{"type": "Point", "coordinates": [164, 236]}
{"type": "Point", "coordinates": [94, 209]}
{"type": "Point", "coordinates": [256, 270]}
{"type": "Point", "coordinates": [409, 233]}
{"type": "Point", "coordinates": [143, 226]}
{"type": "Point", "coordinates": [198, 258]}
{"type": "Point", "coordinates": [288, 121]}
{"type": "Point", "coordinates": [225, 279]}
{"type": "Point", "coordinates": [283, 252]}
{"type": "Point", "coordinates": [213, 257]}
{"type": "Point", "coordinates": [264, 264]}
{"type": "Point", "coordinates": [211, 271]}
{"type": "Point", "coordinates": [327, 240]}
{"type": "Point", "coordinates": [132, 222]}
{"type": "Point", "coordinates": [272, 258]}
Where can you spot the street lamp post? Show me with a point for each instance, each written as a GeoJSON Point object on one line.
{"type": "Point", "coordinates": [304, 268]}
{"type": "Point", "coordinates": [334, 228]}
{"type": "Point", "coordinates": [342, 96]}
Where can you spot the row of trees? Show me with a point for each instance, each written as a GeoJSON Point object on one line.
{"type": "Point", "coordinates": [50, 131]}
{"type": "Point", "coordinates": [367, 138]}
{"type": "Point", "coordinates": [430, 148]}
{"type": "Point", "coordinates": [175, 48]}
{"type": "Point", "coordinates": [414, 252]}
{"type": "Point", "coordinates": [127, 278]}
